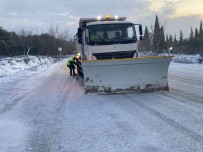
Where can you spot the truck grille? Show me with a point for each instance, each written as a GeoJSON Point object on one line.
{"type": "Point", "coordinates": [115, 55]}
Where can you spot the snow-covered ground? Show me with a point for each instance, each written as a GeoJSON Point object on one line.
{"type": "Point", "coordinates": [16, 64]}
{"type": "Point", "coordinates": [178, 58]}
{"type": "Point", "coordinates": [47, 110]}
{"type": "Point", "coordinates": [188, 59]}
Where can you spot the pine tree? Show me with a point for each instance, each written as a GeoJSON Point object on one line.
{"type": "Point", "coordinates": [196, 33]}
{"type": "Point", "coordinates": [170, 38]}
{"type": "Point", "coordinates": [146, 40]}
{"type": "Point", "coordinates": [175, 41]}
{"type": "Point", "coordinates": [200, 40]}
{"type": "Point", "coordinates": [181, 38]}
{"type": "Point", "coordinates": [191, 42]}
{"type": "Point", "coordinates": [200, 29]}
{"type": "Point", "coordinates": [167, 42]}
{"type": "Point", "coordinates": [166, 38]}
{"type": "Point", "coordinates": [162, 39]}
{"type": "Point", "coordinates": [191, 34]}
{"type": "Point", "coordinates": [156, 36]}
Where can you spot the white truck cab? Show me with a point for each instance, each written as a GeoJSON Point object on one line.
{"type": "Point", "coordinates": [106, 38]}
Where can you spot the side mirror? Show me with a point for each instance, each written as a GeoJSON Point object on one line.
{"type": "Point", "coordinates": [80, 41]}
{"type": "Point", "coordinates": [140, 29]}
{"type": "Point", "coordinates": [79, 33]}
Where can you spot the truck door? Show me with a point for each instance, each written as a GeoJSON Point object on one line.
{"type": "Point", "coordinates": [87, 47]}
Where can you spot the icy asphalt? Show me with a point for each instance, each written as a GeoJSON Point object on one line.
{"type": "Point", "coordinates": [47, 111]}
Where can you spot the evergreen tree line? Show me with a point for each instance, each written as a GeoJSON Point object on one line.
{"type": "Point", "coordinates": [158, 42]}
{"type": "Point", "coordinates": [12, 43]}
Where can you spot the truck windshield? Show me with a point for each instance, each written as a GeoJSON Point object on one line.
{"type": "Point", "coordinates": [106, 34]}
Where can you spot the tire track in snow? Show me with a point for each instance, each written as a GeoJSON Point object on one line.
{"type": "Point", "coordinates": [182, 99]}
{"type": "Point", "coordinates": [187, 82]}
{"type": "Point", "coordinates": [186, 89]}
{"type": "Point", "coordinates": [17, 99]}
{"type": "Point", "coordinates": [182, 78]}
{"type": "Point", "coordinates": [62, 89]}
{"type": "Point", "coordinates": [167, 120]}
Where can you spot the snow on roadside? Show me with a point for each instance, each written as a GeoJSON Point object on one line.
{"type": "Point", "coordinates": [16, 64]}
{"type": "Point", "coordinates": [179, 58]}
{"type": "Point", "coordinates": [11, 65]}
{"type": "Point", "coordinates": [188, 59]}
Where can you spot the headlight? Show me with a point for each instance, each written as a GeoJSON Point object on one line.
{"type": "Point", "coordinates": [98, 17]}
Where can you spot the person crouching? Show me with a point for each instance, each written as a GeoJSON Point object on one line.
{"type": "Point", "coordinates": [70, 64]}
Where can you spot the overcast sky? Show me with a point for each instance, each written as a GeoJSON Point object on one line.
{"type": "Point", "coordinates": [37, 15]}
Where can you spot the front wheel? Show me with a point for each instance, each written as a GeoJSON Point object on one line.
{"type": "Point", "coordinates": [79, 68]}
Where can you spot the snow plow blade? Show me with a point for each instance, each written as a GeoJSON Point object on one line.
{"type": "Point", "coordinates": [144, 74]}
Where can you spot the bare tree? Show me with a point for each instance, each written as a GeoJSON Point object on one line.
{"type": "Point", "coordinates": [64, 35]}
{"type": "Point", "coordinates": [58, 33]}
{"type": "Point", "coordinates": [24, 38]}
{"type": "Point", "coordinates": [24, 32]}
{"type": "Point", "coordinates": [53, 30]}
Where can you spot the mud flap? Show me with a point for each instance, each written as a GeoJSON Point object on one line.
{"type": "Point", "coordinates": [145, 74]}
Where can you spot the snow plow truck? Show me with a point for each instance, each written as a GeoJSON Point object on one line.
{"type": "Point", "coordinates": [108, 61]}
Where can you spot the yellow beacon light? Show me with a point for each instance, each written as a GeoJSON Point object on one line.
{"type": "Point", "coordinates": [107, 16]}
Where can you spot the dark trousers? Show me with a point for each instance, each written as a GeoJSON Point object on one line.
{"type": "Point", "coordinates": [72, 69]}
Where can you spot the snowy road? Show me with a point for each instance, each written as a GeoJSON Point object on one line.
{"type": "Point", "coordinates": [48, 111]}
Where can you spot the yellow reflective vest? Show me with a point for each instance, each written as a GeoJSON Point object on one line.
{"type": "Point", "coordinates": [69, 61]}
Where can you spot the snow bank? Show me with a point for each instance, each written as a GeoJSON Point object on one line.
{"type": "Point", "coordinates": [20, 63]}
{"type": "Point", "coordinates": [188, 59]}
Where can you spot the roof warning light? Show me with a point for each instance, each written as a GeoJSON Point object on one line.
{"type": "Point", "coordinates": [107, 16]}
